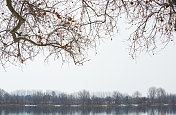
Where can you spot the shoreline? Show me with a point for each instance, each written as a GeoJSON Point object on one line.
{"type": "Point", "coordinates": [107, 105]}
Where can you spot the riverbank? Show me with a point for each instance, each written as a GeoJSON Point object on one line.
{"type": "Point", "coordinates": [107, 105]}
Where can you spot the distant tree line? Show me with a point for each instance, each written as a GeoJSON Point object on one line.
{"type": "Point", "coordinates": [84, 97]}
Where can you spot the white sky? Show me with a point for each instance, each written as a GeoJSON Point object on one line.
{"type": "Point", "coordinates": [111, 69]}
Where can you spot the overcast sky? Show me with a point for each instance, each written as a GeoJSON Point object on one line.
{"type": "Point", "coordinates": [111, 69]}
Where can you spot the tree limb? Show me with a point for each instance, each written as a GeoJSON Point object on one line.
{"type": "Point", "coordinates": [20, 22]}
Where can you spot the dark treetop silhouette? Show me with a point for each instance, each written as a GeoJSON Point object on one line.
{"type": "Point", "coordinates": [155, 96]}
{"type": "Point", "coordinates": [67, 29]}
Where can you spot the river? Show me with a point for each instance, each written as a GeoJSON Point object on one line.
{"type": "Point", "coordinates": [162, 110]}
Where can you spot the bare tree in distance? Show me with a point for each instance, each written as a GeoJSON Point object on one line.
{"type": "Point", "coordinates": [67, 29]}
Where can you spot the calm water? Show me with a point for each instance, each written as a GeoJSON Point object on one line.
{"type": "Point", "coordinates": [88, 111]}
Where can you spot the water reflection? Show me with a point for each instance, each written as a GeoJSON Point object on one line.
{"type": "Point", "coordinates": [167, 110]}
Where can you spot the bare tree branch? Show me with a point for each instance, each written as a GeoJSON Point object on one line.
{"type": "Point", "coordinates": [69, 29]}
